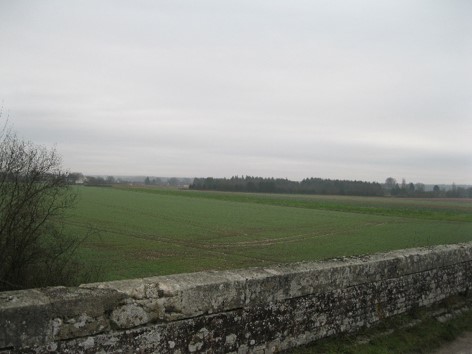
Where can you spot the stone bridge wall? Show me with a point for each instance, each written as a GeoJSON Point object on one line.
{"type": "Point", "coordinates": [259, 310]}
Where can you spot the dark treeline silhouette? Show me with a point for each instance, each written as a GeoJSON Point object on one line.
{"type": "Point", "coordinates": [280, 185]}
{"type": "Point", "coordinates": [418, 190]}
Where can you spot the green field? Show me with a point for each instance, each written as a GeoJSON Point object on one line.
{"type": "Point", "coordinates": [143, 232]}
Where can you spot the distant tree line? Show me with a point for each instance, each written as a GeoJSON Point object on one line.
{"type": "Point", "coordinates": [79, 178]}
{"type": "Point", "coordinates": [418, 190]}
{"type": "Point", "coordinates": [280, 185]}
{"type": "Point", "coordinates": [328, 187]}
{"type": "Point", "coordinates": [458, 192]}
{"type": "Point", "coordinates": [168, 182]}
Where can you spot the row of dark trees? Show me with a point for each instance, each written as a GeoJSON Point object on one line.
{"type": "Point", "coordinates": [457, 192]}
{"type": "Point", "coordinates": [283, 185]}
{"type": "Point", "coordinates": [418, 190]}
{"type": "Point", "coordinates": [328, 187]}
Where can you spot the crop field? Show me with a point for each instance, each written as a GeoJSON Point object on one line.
{"type": "Point", "coordinates": [139, 232]}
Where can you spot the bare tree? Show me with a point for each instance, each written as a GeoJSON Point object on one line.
{"type": "Point", "coordinates": [390, 183]}
{"type": "Point", "coordinates": [34, 194]}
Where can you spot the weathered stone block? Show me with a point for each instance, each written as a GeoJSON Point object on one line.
{"type": "Point", "coordinates": [24, 318]}
{"type": "Point", "coordinates": [129, 316]}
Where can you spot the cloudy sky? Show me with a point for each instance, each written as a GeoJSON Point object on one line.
{"type": "Point", "coordinates": [333, 89]}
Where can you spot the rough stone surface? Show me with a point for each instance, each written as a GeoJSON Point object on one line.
{"type": "Point", "coordinates": [259, 310]}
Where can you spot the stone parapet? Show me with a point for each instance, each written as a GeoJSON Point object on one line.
{"type": "Point", "coordinates": [256, 310]}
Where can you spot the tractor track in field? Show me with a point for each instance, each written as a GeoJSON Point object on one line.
{"type": "Point", "coordinates": [168, 240]}
{"type": "Point", "coordinates": [221, 248]}
{"type": "Point", "coordinates": [293, 238]}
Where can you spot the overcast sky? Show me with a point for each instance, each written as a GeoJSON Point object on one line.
{"type": "Point", "coordinates": [334, 89]}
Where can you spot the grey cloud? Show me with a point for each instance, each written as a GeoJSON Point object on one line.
{"type": "Point", "coordinates": [329, 88]}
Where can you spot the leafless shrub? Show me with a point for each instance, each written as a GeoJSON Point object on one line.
{"type": "Point", "coordinates": [34, 194]}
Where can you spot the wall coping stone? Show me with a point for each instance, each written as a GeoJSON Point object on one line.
{"type": "Point", "coordinates": [194, 294]}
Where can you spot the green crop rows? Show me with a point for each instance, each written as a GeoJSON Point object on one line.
{"type": "Point", "coordinates": [145, 232]}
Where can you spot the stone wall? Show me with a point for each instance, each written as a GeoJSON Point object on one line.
{"type": "Point", "coordinates": [259, 310]}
